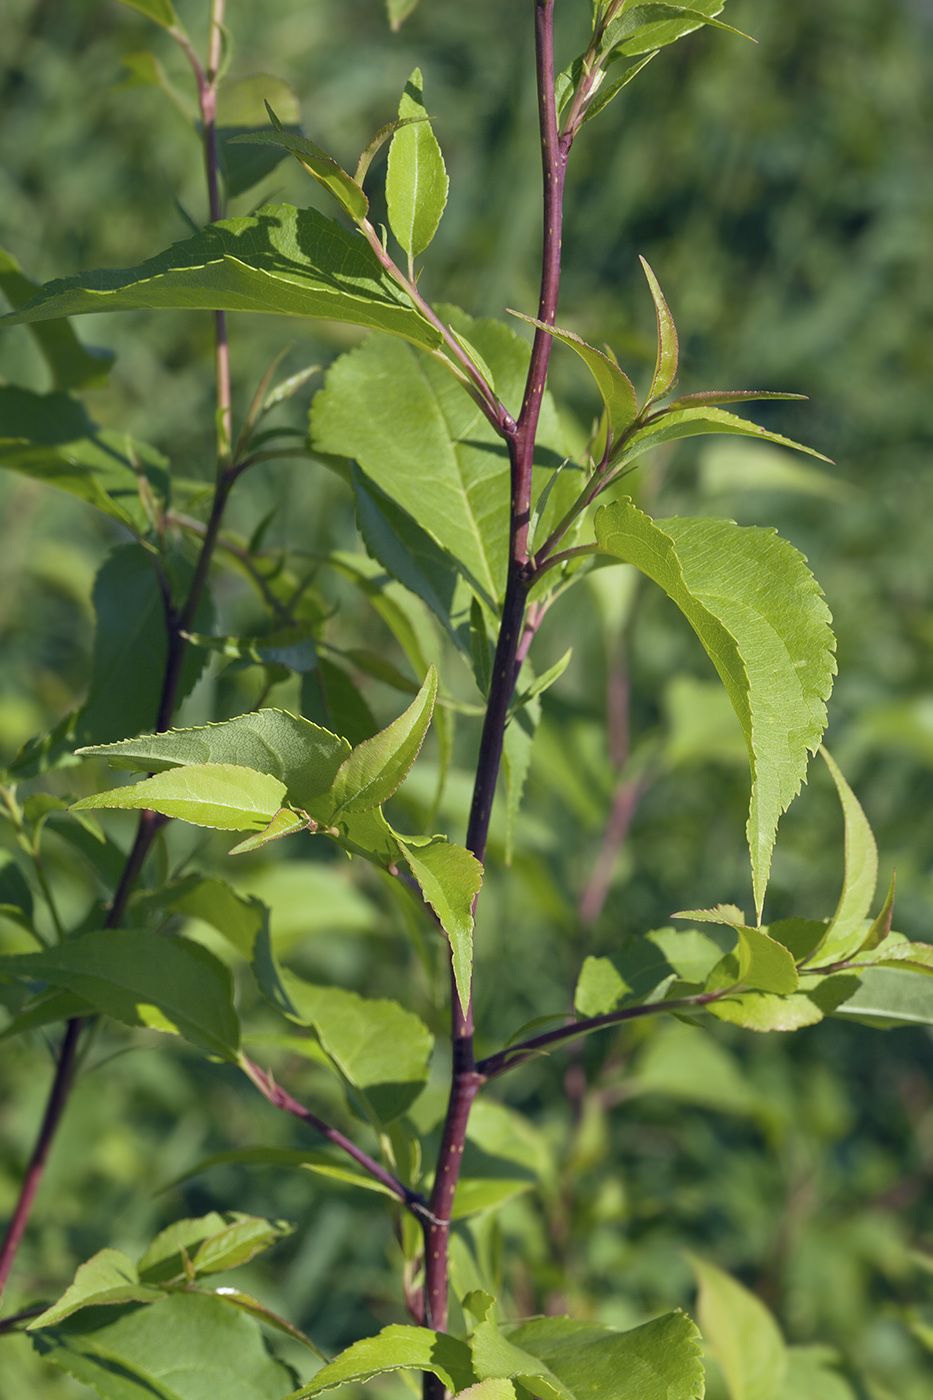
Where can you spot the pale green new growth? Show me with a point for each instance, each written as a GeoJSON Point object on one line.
{"type": "Point", "coordinates": [741, 1333]}
{"type": "Point", "coordinates": [761, 617]}
{"type": "Point", "coordinates": [416, 180]}
{"type": "Point", "coordinates": [219, 795]}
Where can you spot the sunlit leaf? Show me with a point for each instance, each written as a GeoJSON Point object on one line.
{"type": "Point", "coordinates": [219, 795]}
{"type": "Point", "coordinates": [742, 1334]}
{"type": "Point", "coordinates": [761, 617]}
{"type": "Point", "coordinates": [416, 180]}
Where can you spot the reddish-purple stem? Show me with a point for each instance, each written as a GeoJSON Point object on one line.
{"type": "Point", "coordinates": [465, 1078]}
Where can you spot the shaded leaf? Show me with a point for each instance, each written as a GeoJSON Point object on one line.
{"type": "Point", "coordinates": [761, 617]}
{"type": "Point", "coordinates": [599, 988]}
{"type": "Point", "coordinates": [159, 10]}
{"type": "Point", "coordinates": [72, 365]}
{"type": "Point", "coordinates": [844, 934]}
{"type": "Point", "coordinates": [187, 1347]}
{"type": "Point", "coordinates": [144, 980]}
{"type": "Point", "coordinates": [318, 163]}
{"type": "Point", "coordinates": [889, 997]}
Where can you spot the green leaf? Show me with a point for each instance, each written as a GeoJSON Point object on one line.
{"type": "Point", "coordinates": [690, 953]}
{"type": "Point", "coordinates": [844, 934]}
{"type": "Point", "coordinates": [616, 389]}
{"type": "Point", "coordinates": [761, 617]}
{"type": "Point", "coordinates": [889, 997]}
{"type": "Point", "coordinates": [145, 70]}
{"type": "Point", "coordinates": [652, 26]}
{"type": "Point", "coordinates": [665, 369]}
{"type": "Point", "coordinates": [219, 795]}
{"type": "Point", "coordinates": [396, 1348]}
{"type": "Point", "coordinates": [399, 10]}
{"type": "Point", "coordinates": [729, 466]}
{"type": "Point", "coordinates": [45, 1010]}
{"type": "Point", "coordinates": [159, 10]}
{"type": "Point", "coordinates": [741, 1333]}
{"type": "Point", "coordinates": [317, 163]}
{"type": "Point", "coordinates": [234, 1297]}
{"type": "Point", "coordinates": [416, 180]}
{"type": "Point", "coordinates": [377, 1046]}
{"type": "Point", "coordinates": [425, 442]}
{"type": "Point", "coordinates": [659, 1361]}
{"type": "Point", "coordinates": [689, 1065]}
{"type": "Point", "coordinates": [291, 646]}
{"type": "Point", "coordinates": [599, 988]}
{"type": "Point", "coordinates": [516, 760]}
{"type": "Point", "coordinates": [72, 365]}
{"type": "Point", "coordinates": [330, 697]}
{"type": "Point", "coordinates": [143, 979]}
{"type": "Point", "coordinates": [669, 424]}
{"type": "Point", "coordinates": [189, 1346]}
{"type": "Point", "coordinates": [302, 755]}
{"type": "Point", "coordinates": [407, 552]}
{"type": "Point", "coordinates": [377, 768]}
{"type": "Point", "coordinates": [881, 927]}
{"type": "Point", "coordinates": [209, 1245]}
{"type": "Point", "coordinates": [49, 438]}
{"type": "Point", "coordinates": [603, 93]}
{"type": "Point", "coordinates": [131, 645]}
{"type": "Point", "coordinates": [280, 259]}
{"type": "Point", "coordinates": [450, 878]}
{"type": "Point", "coordinates": [243, 106]}
{"type": "Point", "coordinates": [110, 1277]}
{"type": "Point", "coordinates": [813, 1374]}
{"type": "Point", "coordinates": [763, 964]}
{"type": "Point", "coordinates": [818, 996]}
{"type": "Point", "coordinates": [495, 1357]}
{"type": "Point", "coordinates": [284, 823]}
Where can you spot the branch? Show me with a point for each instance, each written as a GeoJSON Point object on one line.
{"type": "Point", "coordinates": [515, 1055]}
{"type": "Point", "coordinates": [281, 1098]}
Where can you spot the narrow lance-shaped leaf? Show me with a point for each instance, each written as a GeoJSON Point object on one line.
{"type": "Point", "coordinates": [280, 259]}
{"type": "Point", "coordinates": [652, 26]}
{"type": "Point", "coordinates": [665, 369]}
{"type": "Point", "coordinates": [318, 163]}
{"type": "Point", "coordinates": [678, 421]}
{"type": "Point", "coordinates": [843, 936]}
{"type": "Point", "coordinates": [160, 11]}
{"type": "Point", "coordinates": [616, 389]}
{"type": "Point", "coordinates": [109, 1277]}
{"type": "Point", "coordinates": [72, 365]}
{"type": "Point", "coordinates": [761, 617]}
{"type": "Point", "coordinates": [377, 767]}
{"type": "Point", "coordinates": [416, 181]}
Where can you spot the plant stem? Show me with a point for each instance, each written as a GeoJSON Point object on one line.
{"type": "Point", "coordinates": [466, 1079]}
{"type": "Point", "coordinates": [149, 822]}
{"type": "Point", "coordinates": [515, 1055]}
{"type": "Point", "coordinates": [280, 1098]}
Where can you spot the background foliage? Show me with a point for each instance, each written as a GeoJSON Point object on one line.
{"type": "Point", "coordinates": [781, 195]}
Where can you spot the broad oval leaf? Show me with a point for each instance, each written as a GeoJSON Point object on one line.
{"type": "Point", "coordinates": [143, 979]}
{"type": "Point", "coordinates": [219, 795]}
{"type": "Point", "coordinates": [416, 180]}
{"type": "Point", "coordinates": [889, 997]}
{"type": "Point", "coordinates": [377, 768]}
{"type": "Point", "coordinates": [426, 443]}
{"type": "Point", "coordinates": [657, 1361]}
{"type": "Point", "coordinates": [189, 1346]}
{"type": "Point", "coordinates": [396, 1348]}
{"type": "Point", "coordinates": [765, 964]}
{"type": "Point", "coordinates": [305, 757]}
{"type": "Point", "coordinates": [281, 259]}
{"type": "Point", "coordinates": [762, 618]}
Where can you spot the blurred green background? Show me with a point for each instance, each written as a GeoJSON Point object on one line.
{"type": "Point", "coordinates": [782, 194]}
